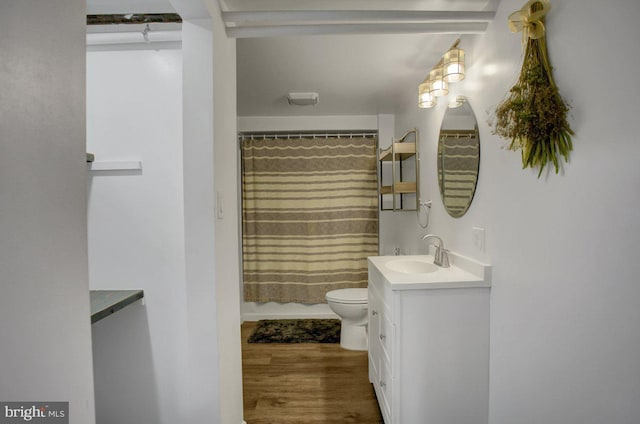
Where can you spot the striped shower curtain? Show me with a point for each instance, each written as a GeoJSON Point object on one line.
{"type": "Point", "coordinates": [310, 216]}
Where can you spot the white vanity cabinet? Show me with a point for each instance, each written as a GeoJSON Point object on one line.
{"type": "Point", "coordinates": [429, 347]}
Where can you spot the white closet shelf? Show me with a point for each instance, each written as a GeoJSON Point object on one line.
{"type": "Point", "coordinates": [131, 165]}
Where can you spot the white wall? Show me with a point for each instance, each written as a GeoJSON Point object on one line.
{"type": "Point", "coordinates": [202, 386]}
{"type": "Point", "coordinates": [565, 302]}
{"type": "Point", "coordinates": [136, 232]}
{"type": "Point", "coordinates": [44, 306]}
{"type": "Point", "coordinates": [226, 226]}
{"type": "Point", "coordinates": [215, 359]}
{"type": "Point", "coordinates": [182, 359]}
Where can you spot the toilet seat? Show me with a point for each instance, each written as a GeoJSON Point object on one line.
{"type": "Point", "coordinates": [348, 296]}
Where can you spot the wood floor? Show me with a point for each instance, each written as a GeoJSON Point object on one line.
{"type": "Point", "coordinates": [308, 383]}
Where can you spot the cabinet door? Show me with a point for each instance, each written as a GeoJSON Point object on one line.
{"type": "Point", "coordinates": [443, 356]}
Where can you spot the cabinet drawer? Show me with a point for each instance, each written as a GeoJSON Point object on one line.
{"type": "Point", "coordinates": [385, 386]}
{"type": "Point", "coordinates": [373, 328]}
{"type": "Point", "coordinates": [380, 329]}
{"type": "Point", "coordinates": [385, 336]}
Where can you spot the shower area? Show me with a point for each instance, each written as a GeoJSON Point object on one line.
{"type": "Point", "coordinates": [309, 219]}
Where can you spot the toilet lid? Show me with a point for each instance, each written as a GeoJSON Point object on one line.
{"type": "Point", "coordinates": [348, 296]}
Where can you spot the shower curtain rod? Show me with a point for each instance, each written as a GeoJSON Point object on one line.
{"type": "Point", "coordinates": [289, 135]}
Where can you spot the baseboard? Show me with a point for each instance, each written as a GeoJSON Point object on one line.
{"type": "Point", "coordinates": [271, 310]}
{"type": "Point", "coordinates": [257, 316]}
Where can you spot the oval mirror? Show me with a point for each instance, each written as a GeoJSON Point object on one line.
{"type": "Point", "coordinates": [458, 158]}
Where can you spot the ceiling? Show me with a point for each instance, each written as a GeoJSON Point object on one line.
{"type": "Point", "coordinates": [361, 62]}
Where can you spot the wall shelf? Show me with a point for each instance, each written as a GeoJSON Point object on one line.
{"type": "Point", "coordinates": [400, 163]}
{"type": "Point", "coordinates": [402, 151]}
{"type": "Point", "coordinates": [399, 188]}
{"type": "Point", "coordinates": [133, 165]}
{"type": "Point", "coordinates": [107, 302]}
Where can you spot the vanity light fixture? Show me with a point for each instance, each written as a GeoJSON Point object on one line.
{"type": "Point", "coordinates": [438, 86]}
{"type": "Point", "coordinates": [450, 68]}
{"type": "Point", "coordinates": [453, 63]}
{"type": "Point", "coordinates": [425, 99]}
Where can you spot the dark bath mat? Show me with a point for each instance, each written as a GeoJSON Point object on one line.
{"type": "Point", "coordinates": [296, 331]}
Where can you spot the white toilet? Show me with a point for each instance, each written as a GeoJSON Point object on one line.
{"type": "Point", "coordinates": [351, 305]}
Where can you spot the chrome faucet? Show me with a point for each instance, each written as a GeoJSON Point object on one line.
{"type": "Point", "coordinates": [441, 256]}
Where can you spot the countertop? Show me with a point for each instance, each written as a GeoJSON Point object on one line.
{"type": "Point", "coordinates": [107, 302]}
{"type": "Point", "coordinates": [464, 272]}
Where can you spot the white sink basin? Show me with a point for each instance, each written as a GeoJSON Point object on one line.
{"type": "Point", "coordinates": [411, 266]}
{"type": "Point", "coordinates": [417, 272]}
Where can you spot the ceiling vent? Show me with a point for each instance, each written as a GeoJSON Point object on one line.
{"type": "Point", "coordinates": [303, 99]}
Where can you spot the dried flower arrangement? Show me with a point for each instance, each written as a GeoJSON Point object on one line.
{"type": "Point", "coordinates": [534, 115]}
